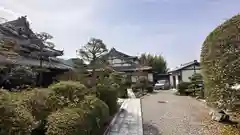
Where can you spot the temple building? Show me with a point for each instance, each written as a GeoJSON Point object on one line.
{"type": "Point", "coordinates": [21, 46]}
{"type": "Point", "coordinates": [129, 65]}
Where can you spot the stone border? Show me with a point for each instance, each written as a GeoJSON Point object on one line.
{"type": "Point", "coordinates": [115, 117]}
{"type": "Point", "coordinates": [131, 95]}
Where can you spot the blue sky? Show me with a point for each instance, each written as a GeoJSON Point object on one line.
{"type": "Point", "coordinates": [175, 29]}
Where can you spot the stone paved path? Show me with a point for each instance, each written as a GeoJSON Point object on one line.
{"type": "Point", "coordinates": [129, 120]}
{"type": "Point", "coordinates": [167, 114]}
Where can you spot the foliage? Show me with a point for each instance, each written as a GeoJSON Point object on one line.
{"type": "Point", "coordinates": [150, 88]}
{"type": "Point", "coordinates": [67, 121]}
{"type": "Point", "coordinates": [45, 37]}
{"type": "Point", "coordinates": [14, 118]}
{"type": "Point", "coordinates": [74, 75]}
{"type": "Point", "coordinates": [220, 60]}
{"type": "Point", "coordinates": [143, 83]}
{"type": "Point", "coordinates": [69, 76]}
{"type": "Point", "coordinates": [158, 63]}
{"type": "Point", "coordinates": [97, 113]}
{"type": "Point", "coordinates": [182, 87]}
{"type": "Point", "coordinates": [93, 50]}
{"type": "Point", "coordinates": [37, 102]}
{"type": "Point", "coordinates": [230, 130]}
{"type": "Point", "coordinates": [78, 64]}
{"type": "Point", "coordinates": [69, 92]}
{"type": "Point", "coordinates": [122, 84]}
{"type": "Point", "coordinates": [196, 88]}
{"type": "Point", "coordinates": [86, 118]}
{"type": "Point", "coordinates": [65, 108]}
{"type": "Point", "coordinates": [19, 76]}
{"type": "Point", "coordinates": [107, 92]}
{"type": "Point", "coordinates": [91, 53]}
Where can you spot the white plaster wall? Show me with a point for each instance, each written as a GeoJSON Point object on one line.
{"type": "Point", "coordinates": [177, 81]}
{"type": "Point", "coordinates": [117, 61]}
{"type": "Point", "coordinates": [134, 78]}
{"type": "Point", "coordinates": [126, 64]}
{"type": "Point", "coordinates": [188, 73]}
{"type": "Point", "coordinates": [150, 77]}
{"type": "Point", "coordinates": [171, 80]}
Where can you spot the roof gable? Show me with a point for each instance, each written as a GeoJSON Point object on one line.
{"type": "Point", "coordinates": [20, 29]}
{"type": "Point", "coordinates": [186, 65]}
{"type": "Point", "coordinates": [114, 52]}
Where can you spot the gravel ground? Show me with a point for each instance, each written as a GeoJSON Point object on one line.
{"type": "Point", "coordinates": [167, 114]}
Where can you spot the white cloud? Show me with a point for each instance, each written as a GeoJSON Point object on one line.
{"type": "Point", "coordinates": [7, 14]}
{"type": "Point", "coordinates": [69, 22]}
{"type": "Point", "coordinates": [127, 25]}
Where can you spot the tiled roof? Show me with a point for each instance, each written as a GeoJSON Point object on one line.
{"type": "Point", "coordinates": [33, 62]}
{"type": "Point", "coordinates": [131, 68]}
{"type": "Point", "coordinates": [10, 29]}
{"type": "Point", "coordinates": [127, 58]}
{"type": "Point", "coordinates": [185, 65]}
{"type": "Point", "coordinates": [114, 52]}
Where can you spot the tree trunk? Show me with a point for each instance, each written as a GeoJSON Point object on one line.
{"type": "Point", "coordinates": [93, 80]}
{"type": "Point", "coordinates": [93, 77]}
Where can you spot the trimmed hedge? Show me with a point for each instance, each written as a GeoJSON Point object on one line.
{"type": "Point", "coordinates": [86, 118]}
{"type": "Point", "coordinates": [14, 118]}
{"type": "Point", "coordinates": [220, 60]}
{"type": "Point", "coordinates": [97, 113]}
{"type": "Point", "coordinates": [66, 108]}
{"type": "Point", "coordinates": [182, 87]}
{"type": "Point", "coordinates": [107, 92]}
{"type": "Point", "coordinates": [67, 121]}
{"type": "Point", "coordinates": [37, 102]}
{"type": "Point", "coordinates": [69, 91]}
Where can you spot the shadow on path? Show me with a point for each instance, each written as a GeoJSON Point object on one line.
{"type": "Point", "coordinates": [149, 129]}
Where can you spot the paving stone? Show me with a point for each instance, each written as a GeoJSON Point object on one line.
{"type": "Point", "coordinates": [129, 122]}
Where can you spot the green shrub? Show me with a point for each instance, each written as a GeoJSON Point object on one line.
{"type": "Point", "coordinates": [67, 121]}
{"type": "Point", "coordinates": [40, 103]}
{"type": "Point", "coordinates": [14, 118]}
{"type": "Point", "coordinates": [97, 113]}
{"type": "Point", "coordinates": [140, 85]}
{"type": "Point", "coordinates": [69, 91]}
{"type": "Point", "coordinates": [78, 76]}
{"type": "Point", "coordinates": [108, 93]}
{"type": "Point", "coordinates": [182, 87]}
{"type": "Point", "coordinates": [119, 81]}
{"type": "Point", "coordinates": [123, 92]}
{"type": "Point", "coordinates": [37, 102]}
{"type": "Point", "coordinates": [85, 119]}
{"type": "Point", "coordinates": [220, 60]}
{"type": "Point", "coordinates": [69, 76]}
{"type": "Point", "coordinates": [230, 130]}
{"type": "Point", "coordinates": [196, 86]}
{"type": "Point", "coordinates": [149, 88]}
{"type": "Point", "coordinates": [19, 77]}
{"type": "Point", "coordinates": [136, 87]}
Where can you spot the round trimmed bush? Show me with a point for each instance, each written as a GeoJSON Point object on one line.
{"type": "Point", "coordinates": [69, 91]}
{"type": "Point", "coordinates": [109, 94]}
{"type": "Point", "coordinates": [97, 113]}
{"type": "Point", "coordinates": [220, 60]}
{"type": "Point", "coordinates": [182, 87]}
{"type": "Point", "coordinates": [84, 119]}
{"type": "Point", "coordinates": [14, 118]}
{"type": "Point", "coordinates": [37, 102]}
{"type": "Point", "coordinates": [67, 121]}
